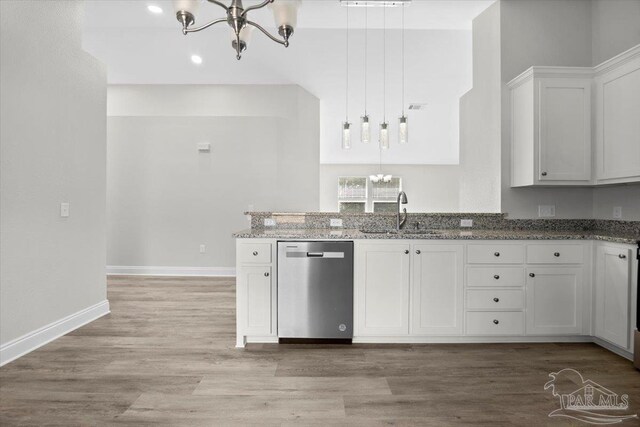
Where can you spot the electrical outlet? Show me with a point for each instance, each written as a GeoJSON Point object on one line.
{"type": "Point", "coordinates": [269, 222]}
{"type": "Point", "coordinates": [617, 212]}
{"type": "Point", "coordinates": [546, 211]}
{"type": "Point", "coordinates": [335, 222]}
{"type": "Point", "coordinates": [204, 147]}
{"type": "Point", "coordinates": [203, 249]}
{"type": "Point", "coordinates": [466, 223]}
{"type": "Point", "coordinates": [64, 209]}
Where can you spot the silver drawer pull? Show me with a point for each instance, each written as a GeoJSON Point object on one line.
{"type": "Point", "coordinates": [406, 251]}
{"type": "Point", "coordinates": [556, 254]}
{"type": "Point", "coordinates": [496, 254]}
{"type": "Point", "coordinates": [496, 321]}
{"type": "Point", "coordinates": [496, 276]}
{"type": "Point", "coordinates": [255, 253]}
{"type": "Point", "coordinates": [496, 300]}
{"type": "Point", "coordinates": [532, 275]}
{"type": "Point", "coordinates": [418, 252]}
{"type": "Point", "coordinates": [543, 174]}
{"type": "Point", "coordinates": [622, 256]}
{"type": "Point", "coordinates": [266, 274]}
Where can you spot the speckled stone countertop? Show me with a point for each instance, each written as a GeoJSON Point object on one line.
{"type": "Point", "coordinates": [494, 234]}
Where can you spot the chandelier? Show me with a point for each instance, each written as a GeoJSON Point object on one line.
{"type": "Point", "coordinates": [285, 13]}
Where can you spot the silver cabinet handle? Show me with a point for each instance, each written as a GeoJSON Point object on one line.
{"type": "Point", "coordinates": [266, 274]}
{"type": "Point", "coordinates": [622, 256]}
{"type": "Point", "coordinates": [496, 300]}
{"type": "Point", "coordinates": [496, 321]}
{"type": "Point", "coordinates": [406, 251]}
{"type": "Point", "coordinates": [556, 254]}
{"type": "Point", "coordinates": [496, 254]}
{"type": "Point", "coordinates": [496, 276]}
{"type": "Point", "coordinates": [255, 253]}
{"type": "Point", "coordinates": [543, 174]}
{"type": "Point", "coordinates": [532, 275]}
{"type": "Point", "coordinates": [418, 252]}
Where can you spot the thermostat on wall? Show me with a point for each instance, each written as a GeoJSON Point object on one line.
{"type": "Point", "coordinates": [204, 147]}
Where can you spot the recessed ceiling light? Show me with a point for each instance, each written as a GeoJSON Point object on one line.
{"type": "Point", "coordinates": [196, 59]}
{"type": "Point", "coordinates": [154, 9]}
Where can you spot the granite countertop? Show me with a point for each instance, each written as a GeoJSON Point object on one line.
{"type": "Point", "coordinates": [351, 234]}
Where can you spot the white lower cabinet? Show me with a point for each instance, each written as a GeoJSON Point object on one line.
{"type": "Point", "coordinates": [436, 290]}
{"type": "Point", "coordinates": [554, 301]}
{"type": "Point", "coordinates": [613, 294]}
{"type": "Point", "coordinates": [382, 289]}
{"type": "Point", "coordinates": [495, 323]}
{"type": "Point", "coordinates": [255, 287]}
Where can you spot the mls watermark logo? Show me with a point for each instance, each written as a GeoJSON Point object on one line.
{"type": "Point", "coordinates": [585, 400]}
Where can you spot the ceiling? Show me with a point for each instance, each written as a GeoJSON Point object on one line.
{"type": "Point", "coordinates": [317, 14]}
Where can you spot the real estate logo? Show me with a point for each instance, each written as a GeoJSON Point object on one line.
{"type": "Point", "coordinates": [586, 400]}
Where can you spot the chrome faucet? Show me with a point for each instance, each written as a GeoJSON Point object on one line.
{"type": "Point", "coordinates": [402, 198]}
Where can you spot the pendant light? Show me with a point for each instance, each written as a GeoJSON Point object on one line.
{"type": "Point", "coordinates": [384, 126]}
{"type": "Point", "coordinates": [403, 124]}
{"type": "Point", "coordinates": [365, 128]}
{"type": "Point", "coordinates": [346, 126]}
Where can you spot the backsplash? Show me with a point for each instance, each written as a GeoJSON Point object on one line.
{"type": "Point", "coordinates": [441, 221]}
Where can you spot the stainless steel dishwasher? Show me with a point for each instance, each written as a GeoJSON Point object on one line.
{"type": "Point", "coordinates": [315, 290]}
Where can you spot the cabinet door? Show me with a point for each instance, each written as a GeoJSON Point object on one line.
{"type": "Point", "coordinates": [436, 290]}
{"type": "Point", "coordinates": [565, 130]}
{"type": "Point", "coordinates": [382, 286]}
{"type": "Point", "coordinates": [554, 301]}
{"type": "Point", "coordinates": [255, 300]}
{"type": "Point", "coordinates": [617, 124]}
{"type": "Point", "coordinates": [613, 294]}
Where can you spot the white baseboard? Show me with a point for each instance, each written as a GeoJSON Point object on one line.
{"type": "Point", "coordinates": [132, 270]}
{"type": "Point", "coordinates": [33, 340]}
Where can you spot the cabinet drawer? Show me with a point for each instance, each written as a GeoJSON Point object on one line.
{"type": "Point", "coordinates": [495, 254]}
{"type": "Point", "coordinates": [483, 299]}
{"type": "Point", "coordinates": [495, 323]}
{"type": "Point", "coordinates": [555, 254]}
{"type": "Point", "coordinates": [255, 253]}
{"type": "Point", "coordinates": [495, 276]}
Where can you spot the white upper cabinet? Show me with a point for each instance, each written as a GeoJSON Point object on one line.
{"type": "Point", "coordinates": [551, 127]}
{"type": "Point", "coordinates": [617, 119]}
{"type": "Point", "coordinates": [552, 134]}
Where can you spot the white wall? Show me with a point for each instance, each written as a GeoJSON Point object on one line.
{"type": "Point", "coordinates": [616, 27]}
{"type": "Point", "coordinates": [165, 198]}
{"type": "Point", "coordinates": [541, 32]}
{"type": "Point", "coordinates": [480, 118]}
{"type": "Point", "coordinates": [53, 114]}
{"type": "Point", "coordinates": [429, 188]}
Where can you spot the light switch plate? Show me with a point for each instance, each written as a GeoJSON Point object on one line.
{"type": "Point", "coordinates": [269, 222]}
{"type": "Point", "coordinates": [466, 223]}
{"type": "Point", "coordinates": [336, 222]}
{"type": "Point", "coordinates": [617, 212]}
{"type": "Point", "coordinates": [546, 211]}
{"type": "Point", "coordinates": [203, 249]}
{"type": "Point", "coordinates": [64, 209]}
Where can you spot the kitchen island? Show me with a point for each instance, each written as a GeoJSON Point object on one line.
{"type": "Point", "coordinates": [455, 286]}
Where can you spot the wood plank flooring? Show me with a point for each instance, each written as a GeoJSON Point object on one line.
{"type": "Point", "coordinates": [166, 356]}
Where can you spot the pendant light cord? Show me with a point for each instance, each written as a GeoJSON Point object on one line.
{"type": "Point", "coordinates": [403, 60]}
{"type": "Point", "coordinates": [366, 52]}
{"type": "Point", "coordinates": [347, 58]}
{"type": "Point", "coordinates": [384, 64]}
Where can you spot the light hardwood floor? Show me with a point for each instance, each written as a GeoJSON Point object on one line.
{"type": "Point", "coordinates": [165, 355]}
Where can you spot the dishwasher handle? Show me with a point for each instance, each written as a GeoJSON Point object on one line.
{"type": "Point", "coordinates": [315, 254]}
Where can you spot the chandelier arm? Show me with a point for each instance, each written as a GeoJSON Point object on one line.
{"type": "Point", "coordinates": [266, 33]}
{"type": "Point", "coordinates": [256, 6]}
{"type": "Point", "coordinates": [193, 30]}
{"type": "Point", "coordinates": [222, 5]}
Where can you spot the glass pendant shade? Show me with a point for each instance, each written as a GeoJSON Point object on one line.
{"type": "Point", "coordinates": [285, 12]}
{"type": "Point", "coordinates": [346, 136]}
{"type": "Point", "coordinates": [403, 130]}
{"type": "Point", "coordinates": [384, 136]}
{"type": "Point", "coordinates": [190, 6]}
{"type": "Point", "coordinates": [365, 129]}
